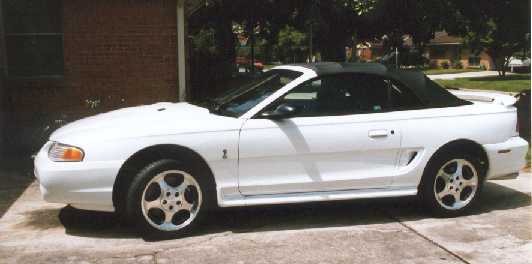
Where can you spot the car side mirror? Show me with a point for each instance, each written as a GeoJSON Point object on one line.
{"type": "Point", "coordinates": [281, 112]}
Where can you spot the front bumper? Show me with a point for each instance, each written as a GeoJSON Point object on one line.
{"type": "Point", "coordinates": [506, 159]}
{"type": "Point", "coordinates": [85, 185]}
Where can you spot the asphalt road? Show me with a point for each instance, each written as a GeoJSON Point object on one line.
{"type": "Point", "coordinates": [366, 231]}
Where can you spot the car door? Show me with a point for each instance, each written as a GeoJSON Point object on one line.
{"type": "Point", "coordinates": [340, 139]}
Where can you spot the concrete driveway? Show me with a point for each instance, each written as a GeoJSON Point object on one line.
{"type": "Point", "coordinates": [376, 231]}
{"type": "Point", "coordinates": [452, 76]}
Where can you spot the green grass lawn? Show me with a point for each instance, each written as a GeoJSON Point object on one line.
{"type": "Point", "coordinates": [511, 83]}
{"type": "Point", "coordinates": [448, 71]}
{"type": "Point", "coordinates": [269, 66]}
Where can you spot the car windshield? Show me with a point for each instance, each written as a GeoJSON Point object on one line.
{"type": "Point", "coordinates": [238, 100]}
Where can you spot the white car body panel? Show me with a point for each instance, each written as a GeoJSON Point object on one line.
{"type": "Point", "coordinates": [486, 97]}
{"type": "Point", "coordinates": [258, 161]}
{"type": "Point", "coordinates": [306, 159]}
{"type": "Point", "coordinates": [124, 132]}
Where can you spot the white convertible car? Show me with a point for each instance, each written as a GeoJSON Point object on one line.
{"type": "Point", "coordinates": [297, 133]}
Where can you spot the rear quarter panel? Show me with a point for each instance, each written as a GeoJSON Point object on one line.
{"type": "Point", "coordinates": [425, 131]}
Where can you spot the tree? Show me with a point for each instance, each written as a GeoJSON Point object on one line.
{"type": "Point", "coordinates": [396, 18]}
{"type": "Point", "coordinates": [498, 27]}
{"type": "Point", "coordinates": [292, 44]}
{"type": "Point", "coordinates": [333, 22]}
{"type": "Point", "coordinates": [330, 25]}
{"type": "Point", "coordinates": [263, 18]}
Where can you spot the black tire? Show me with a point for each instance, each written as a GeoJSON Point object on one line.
{"type": "Point", "coordinates": [427, 187]}
{"type": "Point", "coordinates": [135, 191]}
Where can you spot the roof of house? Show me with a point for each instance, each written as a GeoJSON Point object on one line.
{"type": "Point", "coordinates": [440, 38]}
{"type": "Point", "coordinates": [443, 38]}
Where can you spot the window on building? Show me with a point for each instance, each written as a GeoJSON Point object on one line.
{"type": "Point", "coordinates": [34, 38]}
{"type": "Point", "coordinates": [438, 52]}
{"type": "Point", "coordinates": [474, 60]}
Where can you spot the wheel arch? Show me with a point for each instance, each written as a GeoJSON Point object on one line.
{"type": "Point", "coordinates": [143, 157]}
{"type": "Point", "coordinates": [466, 146]}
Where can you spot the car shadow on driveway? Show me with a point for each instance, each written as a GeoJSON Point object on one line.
{"type": "Point", "coordinates": [81, 223]}
{"type": "Point", "coordinates": [497, 197]}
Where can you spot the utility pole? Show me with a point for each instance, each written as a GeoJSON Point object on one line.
{"type": "Point", "coordinates": [310, 42]}
{"type": "Point", "coordinates": [251, 28]}
{"type": "Point", "coordinates": [396, 58]}
{"type": "Point", "coordinates": [311, 29]}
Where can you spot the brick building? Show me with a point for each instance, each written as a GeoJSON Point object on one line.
{"type": "Point", "coordinates": [444, 49]}
{"type": "Point", "coordinates": [3, 70]}
{"type": "Point", "coordinates": [79, 57]}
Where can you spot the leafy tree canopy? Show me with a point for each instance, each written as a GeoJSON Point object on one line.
{"type": "Point", "coordinates": [499, 27]}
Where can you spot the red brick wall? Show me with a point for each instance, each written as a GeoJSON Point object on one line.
{"type": "Point", "coordinates": [122, 52]}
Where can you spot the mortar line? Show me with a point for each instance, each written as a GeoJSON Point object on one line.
{"type": "Point", "coordinates": [428, 239]}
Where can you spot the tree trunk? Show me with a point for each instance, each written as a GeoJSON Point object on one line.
{"type": "Point", "coordinates": [226, 44]}
{"type": "Point", "coordinates": [333, 49]}
{"type": "Point", "coordinates": [251, 32]}
{"type": "Point", "coordinates": [499, 60]}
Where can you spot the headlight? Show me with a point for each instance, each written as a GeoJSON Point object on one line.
{"type": "Point", "coordinates": [65, 153]}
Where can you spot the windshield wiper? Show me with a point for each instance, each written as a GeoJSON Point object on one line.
{"type": "Point", "coordinates": [213, 105]}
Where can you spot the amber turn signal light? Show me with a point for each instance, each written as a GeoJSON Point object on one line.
{"type": "Point", "coordinates": [65, 153]}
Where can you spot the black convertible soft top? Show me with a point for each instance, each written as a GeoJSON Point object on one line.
{"type": "Point", "coordinates": [429, 92]}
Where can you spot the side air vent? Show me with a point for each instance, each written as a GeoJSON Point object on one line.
{"type": "Point", "coordinates": [412, 157]}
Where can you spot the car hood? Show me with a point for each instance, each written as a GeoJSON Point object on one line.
{"type": "Point", "coordinates": [143, 121]}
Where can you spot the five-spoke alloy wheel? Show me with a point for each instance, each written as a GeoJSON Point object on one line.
{"type": "Point", "coordinates": [167, 199]}
{"type": "Point", "coordinates": [171, 200]}
{"type": "Point", "coordinates": [451, 184]}
{"type": "Point", "coordinates": [456, 184]}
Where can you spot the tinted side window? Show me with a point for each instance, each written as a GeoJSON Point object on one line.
{"type": "Point", "coordinates": [347, 94]}
{"type": "Point", "coordinates": [330, 95]}
{"type": "Point", "coordinates": [402, 98]}
{"type": "Point", "coordinates": [372, 93]}
{"type": "Point", "coordinates": [238, 101]}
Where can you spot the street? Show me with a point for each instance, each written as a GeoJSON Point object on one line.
{"type": "Point", "coordinates": [474, 74]}
{"type": "Point", "coordinates": [370, 231]}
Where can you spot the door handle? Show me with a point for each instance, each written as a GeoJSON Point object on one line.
{"type": "Point", "coordinates": [380, 133]}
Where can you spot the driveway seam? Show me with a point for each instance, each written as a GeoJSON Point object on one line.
{"type": "Point", "coordinates": [398, 220]}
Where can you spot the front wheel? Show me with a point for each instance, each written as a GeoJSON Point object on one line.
{"type": "Point", "coordinates": [451, 184]}
{"type": "Point", "coordinates": [166, 200]}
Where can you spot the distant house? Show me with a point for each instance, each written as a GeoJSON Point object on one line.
{"type": "Point", "coordinates": [442, 50]}
{"type": "Point", "coordinates": [445, 48]}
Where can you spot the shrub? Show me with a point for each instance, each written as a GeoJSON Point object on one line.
{"type": "Point", "coordinates": [445, 65]}
{"type": "Point", "coordinates": [457, 65]}
{"type": "Point", "coordinates": [433, 64]}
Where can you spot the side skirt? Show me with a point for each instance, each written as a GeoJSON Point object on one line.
{"type": "Point", "coordinates": [240, 200]}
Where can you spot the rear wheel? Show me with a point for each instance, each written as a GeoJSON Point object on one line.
{"type": "Point", "coordinates": [451, 184]}
{"type": "Point", "coordinates": [166, 200]}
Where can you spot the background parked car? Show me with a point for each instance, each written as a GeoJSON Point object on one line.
{"type": "Point", "coordinates": [519, 65]}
